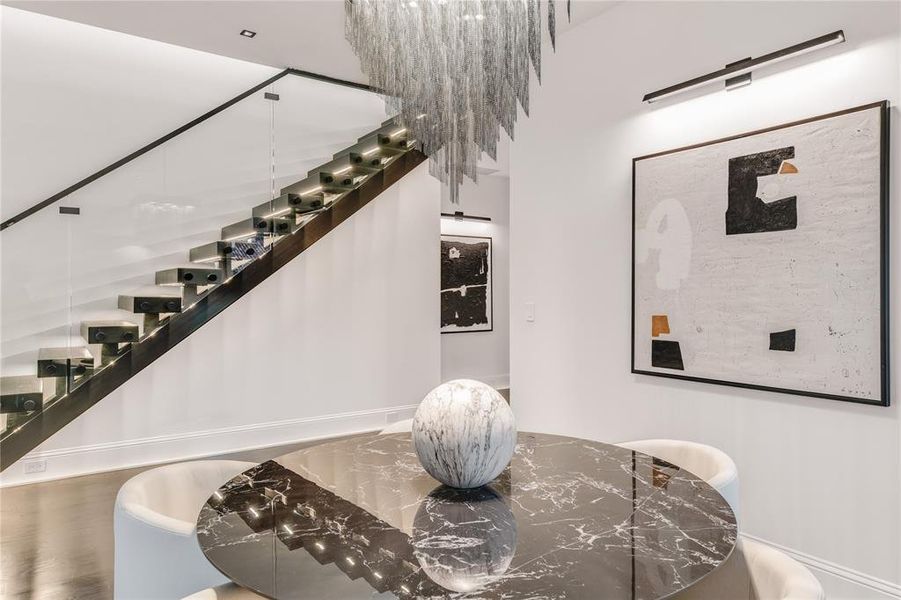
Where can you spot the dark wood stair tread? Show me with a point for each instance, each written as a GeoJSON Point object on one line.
{"type": "Point", "coordinates": [150, 304]}
{"type": "Point", "coordinates": [286, 204]}
{"type": "Point", "coordinates": [64, 353]}
{"type": "Point", "coordinates": [190, 276]}
{"type": "Point", "coordinates": [109, 332]}
{"type": "Point", "coordinates": [255, 226]}
{"type": "Point", "coordinates": [21, 393]}
{"type": "Point", "coordinates": [375, 145]}
{"type": "Point", "coordinates": [64, 362]}
{"type": "Point", "coordinates": [215, 252]}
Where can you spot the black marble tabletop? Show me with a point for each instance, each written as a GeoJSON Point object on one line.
{"type": "Point", "coordinates": [569, 518]}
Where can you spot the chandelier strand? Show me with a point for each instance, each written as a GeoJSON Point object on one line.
{"type": "Point", "coordinates": [454, 72]}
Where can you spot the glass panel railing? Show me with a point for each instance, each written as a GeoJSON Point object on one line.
{"type": "Point", "coordinates": [35, 315]}
{"type": "Point", "coordinates": [313, 124]}
{"type": "Point", "coordinates": [154, 235]}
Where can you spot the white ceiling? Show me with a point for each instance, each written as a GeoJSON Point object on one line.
{"type": "Point", "coordinates": [304, 34]}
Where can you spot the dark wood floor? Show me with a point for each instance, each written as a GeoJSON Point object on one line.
{"type": "Point", "coordinates": [56, 538]}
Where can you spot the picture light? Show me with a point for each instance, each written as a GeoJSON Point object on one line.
{"type": "Point", "coordinates": [738, 74]}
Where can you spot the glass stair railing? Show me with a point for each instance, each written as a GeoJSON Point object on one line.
{"type": "Point", "coordinates": [96, 340]}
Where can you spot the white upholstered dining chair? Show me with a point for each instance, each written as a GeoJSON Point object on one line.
{"type": "Point", "coordinates": [228, 591]}
{"type": "Point", "coordinates": [710, 464]}
{"type": "Point", "coordinates": [755, 571]}
{"type": "Point", "coordinates": [156, 551]}
{"type": "Point", "coordinates": [405, 426]}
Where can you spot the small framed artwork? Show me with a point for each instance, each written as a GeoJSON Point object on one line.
{"type": "Point", "coordinates": [466, 301]}
{"type": "Point", "coordinates": [760, 260]}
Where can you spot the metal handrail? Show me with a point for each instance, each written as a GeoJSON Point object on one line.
{"type": "Point", "coordinates": [175, 133]}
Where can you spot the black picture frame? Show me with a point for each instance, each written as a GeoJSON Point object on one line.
{"type": "Point", "coordinates": [490, 298]}
{"type": "Point", "coordinates": [884, 166]}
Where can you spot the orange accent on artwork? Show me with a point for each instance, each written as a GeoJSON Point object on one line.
{"type": "Point", "coordinates": [787, 167]}
{"type": "Point", "coordinates": [659, 324]}
{"type": "Point", "coordinates": [659, 477]}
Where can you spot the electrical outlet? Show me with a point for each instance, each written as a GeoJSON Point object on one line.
{"type": "Point", "coordinates": [35, 466]}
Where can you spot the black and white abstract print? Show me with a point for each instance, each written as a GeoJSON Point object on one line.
{"type": "Point", "coordinates": [759, 259]}
{"type": "Point", "coordinates": [466, 303]}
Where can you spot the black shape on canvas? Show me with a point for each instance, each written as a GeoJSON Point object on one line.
{"type": "Point", "coordinates": [746, 212]}
{"type": "Point", "coordinates": [464, 310]}
{"type": "Point", "coordinates": [783, 341]}
{"type": "Point", "coordinates": [469, 267]}
{"type": "Point", "coordinates": [666, 354]}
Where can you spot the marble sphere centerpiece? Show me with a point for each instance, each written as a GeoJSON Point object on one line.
{"type": "Point", "coordinates": [464, 433]}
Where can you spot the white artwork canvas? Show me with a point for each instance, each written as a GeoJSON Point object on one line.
{"type": "Point", "coordinates": [759, 260]}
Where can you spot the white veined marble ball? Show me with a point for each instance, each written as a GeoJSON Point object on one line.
{"type": "Point", "coordinates": [464, 433]}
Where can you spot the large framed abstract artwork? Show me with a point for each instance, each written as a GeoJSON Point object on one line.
{"type": "Point", "coordinates": [760, 260]}
{"type": "Point", "coordinates": [466, 302]}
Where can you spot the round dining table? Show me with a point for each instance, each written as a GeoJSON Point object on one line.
{"type": "Point", "coordinates": [568, 518]}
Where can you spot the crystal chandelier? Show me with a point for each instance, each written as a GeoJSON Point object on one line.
{"type": "Point", "coordinates": [453, 70]}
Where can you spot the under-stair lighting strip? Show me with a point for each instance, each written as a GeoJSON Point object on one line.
{"type": "Point", "coordinates": [459, 216]}
{"type": "Point", "coordinates": [235, 237]}
{"type": "Point", "coordinates": [736, 70]}
{"type": "Point", "coordinates": [277, 213]}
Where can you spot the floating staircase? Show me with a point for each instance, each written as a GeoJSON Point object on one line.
{"type": "Point", "coordinates": [68, 381]}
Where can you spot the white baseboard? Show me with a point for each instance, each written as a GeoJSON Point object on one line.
{"type": "Point", "coordinates": [870, 584]}
{"type": "Point", "coordinates": [98, 458]}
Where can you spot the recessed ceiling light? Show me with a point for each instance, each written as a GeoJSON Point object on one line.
{"type": "Point", "coordinates": [248, 33]}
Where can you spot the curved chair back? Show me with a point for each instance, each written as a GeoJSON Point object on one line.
{"type": "Point", "coordinates": [229, 591]}
{"type": "Point", "coordinates": [776, 575]}
{"type": "Point", "coordinates": [156, 550]}
{"type": "Point", "coordinates": [405, 426]}
{"type": "Point", "coordinates": [710, 464]}
{"type": "Point", "coordinates": [755, 571]}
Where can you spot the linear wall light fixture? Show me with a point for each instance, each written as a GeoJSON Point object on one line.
{"type": "Point", "coordinates": [459, 216]}
{"type": "Point", "coordinates": [738, 74]}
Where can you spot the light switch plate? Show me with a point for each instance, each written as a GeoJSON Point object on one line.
{"type": "Point", "coordinates": [34, 466]}
{"type": "Point", "coordinates": [530, 312]}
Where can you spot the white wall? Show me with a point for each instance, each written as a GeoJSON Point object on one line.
{"type": "Point", "coordinates": [75, 98]}
{"type": "Point", "coordinates": [819, 477]}
{"type": "Point", "coordinates": [483, 355]}
{"type": "Point", "coordinates": [344, 338]}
